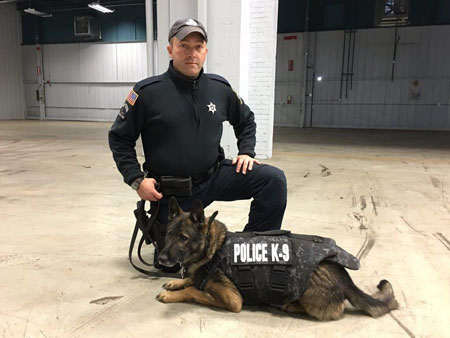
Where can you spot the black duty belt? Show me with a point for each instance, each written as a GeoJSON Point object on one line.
{"type": "Point", "coordinates": [196, 178]}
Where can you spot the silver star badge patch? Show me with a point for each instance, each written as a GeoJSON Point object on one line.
{"type": "Point", "coordinates": [211, 107]}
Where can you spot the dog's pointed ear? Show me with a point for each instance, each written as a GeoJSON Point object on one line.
{"type": "Point", "coordinates": [174, 208]}
{"type": "Point", "coordinates": [212, 217]}
{"type": "Point", "coordinates": [197, 213]}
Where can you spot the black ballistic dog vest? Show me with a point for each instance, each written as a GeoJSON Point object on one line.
{"type": "Point", "coordinates": [273, 267]}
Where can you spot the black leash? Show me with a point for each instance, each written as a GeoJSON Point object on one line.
{"type": "Point", "coordinates": [146, 226]}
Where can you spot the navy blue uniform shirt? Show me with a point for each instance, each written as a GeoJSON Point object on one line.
{"type": "Point", "coordinates": [180, 122]}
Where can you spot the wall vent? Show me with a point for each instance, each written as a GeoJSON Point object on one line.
{"type": "Point", "coordinates": [86, 26]}
{"type": "Point", "coordinates": [390, 13]}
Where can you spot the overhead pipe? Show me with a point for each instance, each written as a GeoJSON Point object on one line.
{"type": "Point", "coordinates": [151, 67]}
{"type": "Point", "coordinates": [353, 59]}
{"type": "Point", "coordinates": [342, 66]}
{"type": "Point", "coordinates": [394, 57]}
{"type": "Point", "coordinates": [350, 35]}
{"type": "Point", "coordinates": [313, 82]}
{"type": "Point", "coordinates": [305, 61]}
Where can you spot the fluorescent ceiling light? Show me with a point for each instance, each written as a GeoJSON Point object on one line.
{"type": "Point", "coordinates": [36, 12]}
{"type": "Point", "coordinates": [100, 8]}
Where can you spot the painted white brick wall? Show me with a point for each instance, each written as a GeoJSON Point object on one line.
{"type": "Point", "coordinates": [262, 23]}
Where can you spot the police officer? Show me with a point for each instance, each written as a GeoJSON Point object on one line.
{"type": "Point", "coordinates": [179, 117]}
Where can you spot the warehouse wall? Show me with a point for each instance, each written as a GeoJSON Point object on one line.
{"type": "Point", "coordinates": [84, 81]}
{"type": "Point", "coordinates": [356, 14]}
{"type": "Point", "coordinates": [89, 81]}
{"type": "Point", "coordinates": [288, 82]}
{"type": "Point", "coordinates": [417, 98]}
{"type": "Point", "coordinates": [126, 24]}
{"type": "Point", "coordinates": [11, 87]}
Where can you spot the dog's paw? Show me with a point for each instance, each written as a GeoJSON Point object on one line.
{"type": "Point", "coordinates": [293, 307]}
{"type": "Point", "coordinates": [173, 285]}
{"type": "Point", "coordinates": [163, 297]}
{"type": "Point", "coordinates": [288, 307]}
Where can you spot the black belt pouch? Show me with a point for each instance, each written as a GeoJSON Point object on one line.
{"type": "Point", "coordinates": [176, 186]}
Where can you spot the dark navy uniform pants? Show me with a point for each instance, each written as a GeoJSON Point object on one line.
{"type": "Point", "coordinates": [265, 184]}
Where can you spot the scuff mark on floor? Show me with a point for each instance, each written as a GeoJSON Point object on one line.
{"type": "Point", "coordinates": [325, 171]}
{"type": "Point", "coordinates": [369, 242]}
{"type": "Point", "coordinates": [445, 202]}
{"type": "Point", "coordinates": [403, 326]}
{"type": "Point", "coordinates": [435, 181]}
{"type": "Point", "coordinates": [414, 229]}
{"type": "Point", "coordinates": [9, 172]}
{"type": "Point", "coordinates": [353, 198]}
{"type": "Point", "coordinates": [441, 238]}
{"type": "Point", "coordinates": [202, 324]}
{"type": "Point", "coordinates": [361, 219]}
{"type": "Point", "coordinates": [363, 202]}
{"type": "Point", "coordinates": [104, 300]}
{"type": "Point", "coordinates": [97, 316]}
{"type": "Point", "coordinates": [374, 206]}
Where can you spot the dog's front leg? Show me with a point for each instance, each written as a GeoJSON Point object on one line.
{"type": "Point", "coordinates": [191, 293]}
{"type": "Point", "coordinates": [178, 284]}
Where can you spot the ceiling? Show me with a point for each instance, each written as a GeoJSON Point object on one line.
{"type": "Point", "coordinates": [52, 6]}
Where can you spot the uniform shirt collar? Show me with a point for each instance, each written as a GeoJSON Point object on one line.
{"type": "Point", "coordinates": [180, 77]}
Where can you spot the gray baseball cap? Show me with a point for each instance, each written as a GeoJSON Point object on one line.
{"type": "Point", "coordinates": [181, 28]}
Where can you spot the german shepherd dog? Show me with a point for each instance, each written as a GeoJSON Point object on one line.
{"type": "Point", "coordinates": [186, 243]}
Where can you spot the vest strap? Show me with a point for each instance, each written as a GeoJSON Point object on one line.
{"type": "Point", "coordinates": [278, 284]}
{"type": "Point", "coordinates": [246, 284]}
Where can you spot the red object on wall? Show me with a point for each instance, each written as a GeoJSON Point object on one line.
{"type": "Point", "coordinates": [290, 65]}
{"type": "Point", "coordinates": [290, 37]}
{"type": "Point", "coordinates": [38, 70]}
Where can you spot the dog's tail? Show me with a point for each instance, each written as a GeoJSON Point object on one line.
{"type": "Point", "coordinates": [376, 305]}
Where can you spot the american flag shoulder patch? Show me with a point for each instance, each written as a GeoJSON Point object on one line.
{"type": "Point", "coordinates": [132, 97]}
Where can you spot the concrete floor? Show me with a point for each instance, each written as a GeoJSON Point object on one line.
{"type": "Point", "coordinates": [66, 220]}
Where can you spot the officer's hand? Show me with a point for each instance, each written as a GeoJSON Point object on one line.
{"type": "Point", "coordinates": [147, 190]}
{"type": "Point", "coordinates": [244, 163]}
